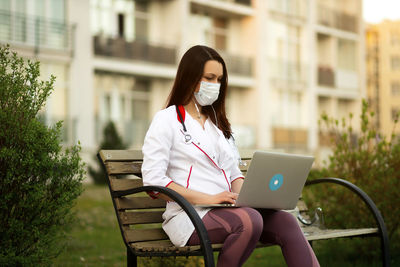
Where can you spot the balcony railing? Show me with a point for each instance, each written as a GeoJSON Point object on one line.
{"type": "Point", "coordinates": [242, 2]}
{"type": "Point", "coordinates": [34, 31]}
{"type": "Point", "coordinates": [136, 50]}
{"type": "Point", "coordinates": [290, 72]}
{"type": "Point", "coordinates": [237, 64]}
{"type": "Point", "coordinates": [326, 76]}
{"type": "Point", "coordinates": [337, 19]}
{"type": "Point", "coordinates": [290, 138]}
{"type": "Point", "coordinates": [295, 8]}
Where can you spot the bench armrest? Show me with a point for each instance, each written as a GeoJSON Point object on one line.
{"type": "Point", "coordinates": [190, 211]}
{"type": "Point", "coordinates": [370, 204]}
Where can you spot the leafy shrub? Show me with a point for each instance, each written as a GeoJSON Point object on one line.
{"type": "Point", "coordinates": [370, 161]}
{"type": "Point", "coordinates": [39, 181]}
{"type": "Point", "coordinates": [111, 140]}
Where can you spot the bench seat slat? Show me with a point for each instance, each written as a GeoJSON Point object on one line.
{"type": "Point", "coordinates": [141, 217]}
{"type": "Point", "coordinates": [135, 235]}
{"type": "Point", "coordinates": [124, 184]}
{"type": "Point", "coordinates": [166, 245]}
{"type": "Point", "coordinates": [126, 167]}
{"type": "Point", "coordinates": [314, 233]}
{"type": "Point", "coordinates": [128, 203]}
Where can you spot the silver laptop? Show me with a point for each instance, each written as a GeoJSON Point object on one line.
{"type": "Point", "coordinates": [274, 180]}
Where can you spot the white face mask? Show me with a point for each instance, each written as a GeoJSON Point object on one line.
{"type": "Point", "coordinates": [207, 94]}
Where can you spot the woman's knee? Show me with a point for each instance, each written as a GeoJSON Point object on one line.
{"type": "Point", "coordinates": [287, 218]}
{"type": "Point", "coordinates": [255, 219]}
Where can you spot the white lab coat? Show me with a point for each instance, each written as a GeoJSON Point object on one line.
{"type": "Point", "coordinates": [201, 164]}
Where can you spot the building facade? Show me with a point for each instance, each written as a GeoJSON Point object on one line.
{"type": "Point", "coordinates": [289, 61]}
{"type": "Point", "coordinates": [383, 74]}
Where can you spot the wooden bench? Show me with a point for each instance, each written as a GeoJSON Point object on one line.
{"type": "Point", "coordinates": [140, 216]}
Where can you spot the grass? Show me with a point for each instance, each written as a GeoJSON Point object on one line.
{"type": "Point", "coordinates": [95, 240]}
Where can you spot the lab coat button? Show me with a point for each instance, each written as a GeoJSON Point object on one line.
{"type": "Point", "coordinates": [213, 157]}
{"type": "Point", "coordinates": [198, 143]}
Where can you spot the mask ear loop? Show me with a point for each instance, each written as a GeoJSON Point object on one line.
{"type": "Point", "coordinates": [215, 114]}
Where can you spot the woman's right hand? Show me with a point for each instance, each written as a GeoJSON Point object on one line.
{"type": "Point", "coordinates": [224, 197]}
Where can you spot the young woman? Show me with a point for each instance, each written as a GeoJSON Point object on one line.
{"type": "Point", "coordinates": [188, 148]}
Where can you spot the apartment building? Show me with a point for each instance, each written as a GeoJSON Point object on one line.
{"type": "Point", "coordinates": [340, 62]}
{"type": "Point", "coordinates": [288, 62]}
{"type": "Point", "coordinates": [383, 74]}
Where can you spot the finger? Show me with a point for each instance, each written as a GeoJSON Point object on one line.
{"type": "Point", "coordinates": [233, 195]}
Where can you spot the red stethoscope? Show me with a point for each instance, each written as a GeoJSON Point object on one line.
{"type": "Point", "coordinates": [188, 137]}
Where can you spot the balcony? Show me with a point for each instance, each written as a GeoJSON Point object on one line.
{"type": "Point", "coordinates": [291, 8]}
{"type": "Point", "coordinates": [238, 65]}
{"type": "Point", "coordinates": [287, 73]}
{"type": "Point", "coordinates": [336, 19]}
{"type": "Point", "coordinates": [230, 8]}
{"type": "Point", "coordinates": [36, 32]}
{"type": "Point", "coordinates": [326, 76]}
{"type": "Point", "coordinates": [240, 2]}
{"type": "Point", "coordinates": [135, 50]}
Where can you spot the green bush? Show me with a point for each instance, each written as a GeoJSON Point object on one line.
{"type": "Point", "coordinates": [111, 140]}
{"type": "Point", "coordinates": [370, 161]}
{"type": "Point", "coordinates": [39, 180]}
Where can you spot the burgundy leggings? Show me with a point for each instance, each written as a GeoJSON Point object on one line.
{"type": "Point", "coordinates": [239, 229]}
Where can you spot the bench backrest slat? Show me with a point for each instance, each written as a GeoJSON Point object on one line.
{"type": "Point", "coordinates": [137, 235]}
{"type": "Point", "coordinates": [124, 167]}
{"type": "Point", "coordinates": [127, 203]}
{"type": "Point", "coordinates": [121, 155]}
{"type": "Point", "coordinates": [124, 184]}
{"type": "Point", "coordinates": [141, 217]}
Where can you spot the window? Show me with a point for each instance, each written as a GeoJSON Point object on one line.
{"type": "Point", "coordinates": [395, 113]}
{"type": "Point", "coordinates": [141, 20]}
{"type": "Point", "coordinates": [220, 33]}
{"type": "Point", "coordinates": [395, 63]}
{"type": "Point", "coordinates": [107, 106]}
{"type": "Point", "coordinates": [395, 39]}
{"type": "Point", "coordinates": [347, 55]}
{"type": "Point", "coordinates": [395, 88]}
{"type": "Point", "coordinates": [57, 10]}
{"type": "Point", "coordinates": [121, 25]}
{"type": "Point", "coordinates": [140, 117]}
{"type": "Point", "coordinates": [113, 18]}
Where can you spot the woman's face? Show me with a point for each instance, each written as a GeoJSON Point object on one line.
{"type": "Point", "coordinates": [212, 73]}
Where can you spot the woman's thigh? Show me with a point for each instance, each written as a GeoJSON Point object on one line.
{"type": "Point", "coordinates": [221, 222]}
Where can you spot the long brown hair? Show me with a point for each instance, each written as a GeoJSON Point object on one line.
{"type": "Point", "coordinates": [189, 74]}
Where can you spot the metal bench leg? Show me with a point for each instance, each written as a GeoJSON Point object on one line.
{"type": "Point", "coordinates": [131, 258]}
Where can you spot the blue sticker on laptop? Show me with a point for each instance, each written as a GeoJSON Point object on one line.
{"type": "Point", "coordinates": [276, 182]}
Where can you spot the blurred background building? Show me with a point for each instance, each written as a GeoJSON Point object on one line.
{"type": "Point", "coordinates": [383, 73]}
{"type": "Point", "coordinates": [289, 61]}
